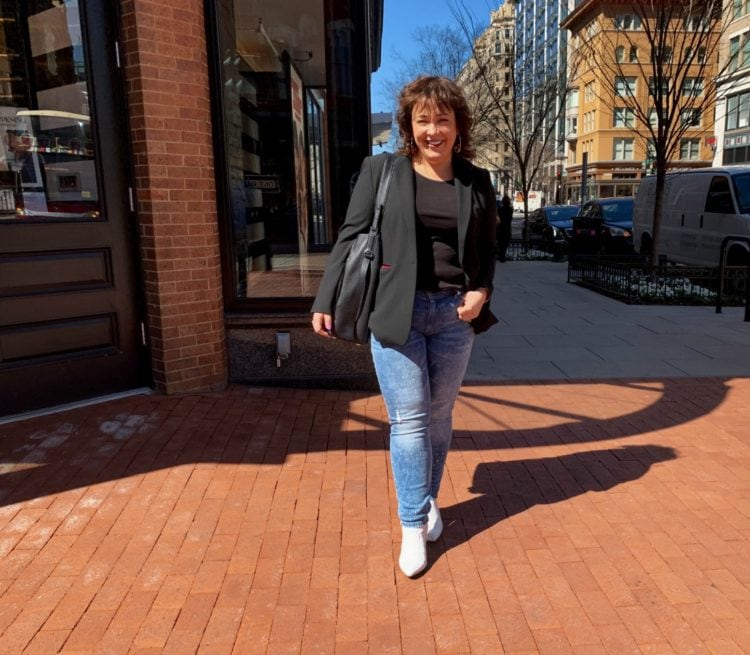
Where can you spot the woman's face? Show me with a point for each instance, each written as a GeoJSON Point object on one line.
{"type": "Point", "coordinates": [435, 132]}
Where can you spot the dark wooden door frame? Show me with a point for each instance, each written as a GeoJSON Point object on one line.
{"type": "Point", "coordinates": [113, 168]}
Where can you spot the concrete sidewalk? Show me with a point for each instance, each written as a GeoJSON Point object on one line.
{"type": "Point", "coordinates": [581, 515]}
{"type": "Point", "coordinates": [553, 330]}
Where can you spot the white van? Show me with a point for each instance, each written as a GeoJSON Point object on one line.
{"type": "Point", "coordinates": [699, 209]}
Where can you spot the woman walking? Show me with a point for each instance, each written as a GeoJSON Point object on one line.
{"type": "Point", "coordinates": [438, 260]}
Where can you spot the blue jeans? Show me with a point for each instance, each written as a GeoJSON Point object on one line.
{"type": "Point", "coordinates": [420, 382]}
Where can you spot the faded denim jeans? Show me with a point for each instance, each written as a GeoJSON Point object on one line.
{"type": "Point", "coordinates": [420, 382]}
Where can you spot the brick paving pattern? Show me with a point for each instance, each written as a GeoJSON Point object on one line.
{"type": "Point", "coordinates": [580, 517]}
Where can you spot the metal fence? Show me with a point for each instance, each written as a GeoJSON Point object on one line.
{"type": "Point", "coordinates": [630, 279]}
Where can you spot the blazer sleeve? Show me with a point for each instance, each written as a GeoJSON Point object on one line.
{"type": "Point", "coordinates": [487, 232]}
{"type": "Point", "coordinates": [358, 218]}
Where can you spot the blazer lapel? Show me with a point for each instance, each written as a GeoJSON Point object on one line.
{"type": "Point", "coordinates": [402, 193]}
{"type": "Point", "coordinates": [462, 173]}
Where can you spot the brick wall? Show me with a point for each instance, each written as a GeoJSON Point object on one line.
{"type": "Point", "coordinates": [167, 90]}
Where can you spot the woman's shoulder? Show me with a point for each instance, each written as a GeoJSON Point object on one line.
{"type": "Point", "coordinates": [380, 159]}
{"type": "Point", "coordinates": [376, 163]}
{"type": "Point", "coordinates": [479, 172]}
{"type": "Point", "coordinates": [477, 177]}
{"type": "Point", "coordinates": [470, 169]}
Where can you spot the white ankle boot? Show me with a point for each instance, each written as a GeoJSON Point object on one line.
{"type": "Point", "coordinates": [413, 556]}
{"type": "Point", "coordinates": [434, 522]}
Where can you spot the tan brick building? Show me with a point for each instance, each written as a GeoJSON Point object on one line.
{"type": "Point", "coordinates": [600, 121]}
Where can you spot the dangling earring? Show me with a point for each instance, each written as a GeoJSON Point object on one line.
{"type": "Point", "coordinates": [457, 145]}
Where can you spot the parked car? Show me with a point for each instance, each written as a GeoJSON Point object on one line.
{"type": "Point", "coordinates": [604, 226]}
{"type": "Point", "coordinates": [551, 227]}
{"type": "Point", "coordinates": [700, 208]}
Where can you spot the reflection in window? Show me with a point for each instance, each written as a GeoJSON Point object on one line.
{"type": "Point", "coordinates": [623, 117]}
{"type": "Point", "coordinates": [625, 86]}
{"type": "Point", "coordinates": [690, 117]}
{"type": "Point", "coordinates": [275, 159]}
{"type": "Point", "coordinates": [47, 170]}
{"type": "Point", "coordinates": [690, 148]}
{"type": "Point", "coordinates": [321, 227]}
{"type": "Point", "coordinates": [692, 86]}
{"type": "Point", "coordinates": [622, 149]}
{"type": "Point", "coordinates": [719, 198]}
{"type": "Point", "coordinates": [742, 191]}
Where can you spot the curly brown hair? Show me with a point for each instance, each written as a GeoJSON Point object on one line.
{"type": "Point", "coordinates": [445, 94]}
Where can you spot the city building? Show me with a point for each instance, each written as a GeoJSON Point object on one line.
{"type": "Point", "coordinates": [611, 87]}
{"type": "Point", "coordinates": [172, 175]}
{"type": "Point", "coordinates": [732, 130]}
{"type": "Point", "coordinates": [541, 57]}
{"type": "Point", "coordinates": [487, 81]}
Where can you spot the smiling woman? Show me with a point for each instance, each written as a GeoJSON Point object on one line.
{"type": "Point", "coordinates": [435, 135]}
{"type": "Point", "coordinates": [438, 229]}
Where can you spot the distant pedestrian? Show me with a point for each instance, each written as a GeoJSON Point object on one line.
{"type": "Point", "coordinates": [505, 214]}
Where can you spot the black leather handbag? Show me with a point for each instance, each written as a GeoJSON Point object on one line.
{"type": "Point", "coordinates": [355, 293]}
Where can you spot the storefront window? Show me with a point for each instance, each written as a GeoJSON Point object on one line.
{"type": "Point", "coordinates": [275, 152]}
{"type": "Point", "coordinates": [47, 168]}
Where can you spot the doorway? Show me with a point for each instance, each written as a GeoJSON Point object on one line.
{"type": "Point", "coordinates": [69, 302]}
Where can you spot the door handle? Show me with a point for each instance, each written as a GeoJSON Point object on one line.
{"type": "Point", "coordinates": [701, 225]}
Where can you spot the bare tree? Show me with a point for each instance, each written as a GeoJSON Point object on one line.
{"type": "Point", "coordinates": [679, 67]}
{"type": "Point", "coordinates": [522, 109]}
{"type": "Point", "coordinates": [440, 50]}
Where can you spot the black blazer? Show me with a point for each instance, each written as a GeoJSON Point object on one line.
{"type": "Point", "coordinates": [390, 320]}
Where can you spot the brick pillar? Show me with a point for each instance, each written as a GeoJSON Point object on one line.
{"type": "Point", "coordinates": [166, 73]}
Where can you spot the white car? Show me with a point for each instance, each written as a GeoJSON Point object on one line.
{"type": "Point", "coordinates": [700, 208]}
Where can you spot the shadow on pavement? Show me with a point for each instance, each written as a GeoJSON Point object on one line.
{"type": "Point", "coordinates": [509, 488]}
{"type": "Point", "coordinates": [107, 442]}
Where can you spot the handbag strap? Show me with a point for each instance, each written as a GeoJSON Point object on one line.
{"type": "Point", "coordinates": [382, 192]}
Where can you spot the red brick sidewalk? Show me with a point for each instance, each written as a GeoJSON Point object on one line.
{"type": "Point", "coordinates": [592, 517]}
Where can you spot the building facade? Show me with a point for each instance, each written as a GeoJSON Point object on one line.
{"type": "Point", "coordinates": [612, 95]}
{"type": "Point", "coordinates": [732, 140]}
{"type": "Point", "coordinates": [487, 81]}
{"type": "Point", "coordinates": [540, 56]}
{"type": "Point", "coordinates": [173, 174]}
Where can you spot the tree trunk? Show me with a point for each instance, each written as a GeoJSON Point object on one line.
{"type": "Point", "coordinates": [661, 177]}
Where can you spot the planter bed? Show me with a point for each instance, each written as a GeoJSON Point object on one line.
{"type": "Point", "coordinates": [629, 279]}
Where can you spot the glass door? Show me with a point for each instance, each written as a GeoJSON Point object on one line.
{"type": "Point", "coordinates": [69, 326]}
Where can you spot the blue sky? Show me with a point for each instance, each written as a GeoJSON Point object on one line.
{"type": "Point", "coordinates": [401, 19]}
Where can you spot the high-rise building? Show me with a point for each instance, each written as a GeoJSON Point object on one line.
{"type": "Point", "coordinates": [540, 57]}
{"type": "Point", "coordinates": [487, 81]}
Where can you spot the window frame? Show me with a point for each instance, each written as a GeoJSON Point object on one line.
{"type": "Point", "coordinates": [690, 142]}
{"type": "Point", "coordinates": [628, 147]}
{"type": "Point", "coordinates": [691, 117]}
{"type": "Point", "coordinates": [623, 117]}
{"type": "Point", "coordinates": [627, 22]}
{"type": "Point", "coordinates": [627, 91]}
{"type": "Point", "coordinates": [692, 87]}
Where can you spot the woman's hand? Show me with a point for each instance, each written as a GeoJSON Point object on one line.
{"type": "Point", "coordinates": [322, 324]}
{"type": "Point", "coordinates": [472, 305]}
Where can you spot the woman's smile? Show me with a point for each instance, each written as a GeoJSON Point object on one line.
{"type": "Point", "coordinates": [435, 132]}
